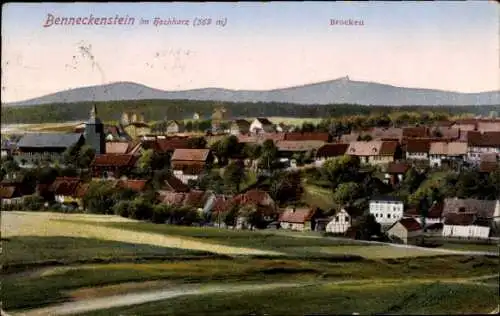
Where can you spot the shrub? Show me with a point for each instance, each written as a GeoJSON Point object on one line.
{"type": "Point", "coordinates": [122, 208]}
{"type": "Point", "coordinates": [141, 209]}
{"type": "Point", "coordinates": [33, 202]}
{"type": "Point", "coordinates": [161, 213]}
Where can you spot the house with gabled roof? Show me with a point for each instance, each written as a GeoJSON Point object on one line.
{"type": "Point", "coordinates": [298, 218]}
{"type": "Point", "coordinates": [175, 127]}
{"type": "Point", "coordinates": [470, 218]}
{"type": "Point", "coordinates": [239, 126]}
{"type": "Point", "coordinates": [482, 143]}
{"type": "Point", "coordinates": [489, 162]}
{"type": "Point", "coordinates": [113, 165]}
{"type": "Point", "coordinates": [405, 230]}
{"type": "Point", "coordinates": [375, 152]}
{"type": "Point", "coordinates": [40, 148]}
{"type": "Point", "coordinates": [190, 164]}
{"type": "Point", "coordinates": [447, 153]}
{"type": "Point", "coordinates": [340, 222]}
{"type": "Point", "coordinates": [64, 189]}
{"type": "Point", "coordinates": [417, 149]}
{"type": "Point", "coordinates": [395, 172]}
{"type": "Point", "coordinates": [330, 150]}
{"type": "Point", "coordinates": [262, 125]}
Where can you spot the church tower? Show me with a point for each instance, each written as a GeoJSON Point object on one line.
{"type": "Point", "coordinates": [94, 133]}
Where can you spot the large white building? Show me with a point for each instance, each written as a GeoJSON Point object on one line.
{"type": "Point", "coordinates": [387, 210]}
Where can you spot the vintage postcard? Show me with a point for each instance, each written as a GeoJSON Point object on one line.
{"type": "Point", "coordinates": [250, 158]}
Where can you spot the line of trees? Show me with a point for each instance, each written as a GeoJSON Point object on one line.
{"type": "Point", "coordinates": [181, 109]}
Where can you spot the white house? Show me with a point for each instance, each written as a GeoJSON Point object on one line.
{"type": "Point", "coordinates": [387, 210]}
{"type": "Point", "coordinates": [339, 223]}
{"type": "Point", "coordinates": [405, 229]}
{"type": "Point", "coordinates": [261, 125]}
{"type": "Point", "coordinates": [175, 127]}
{"type": "Point", "coordinates": [417, 149]}
{"type": "Point", "coordinates": [446, 151]}
{"type": "Point", "coordinates": [465, 226]}
{"type": "Point", "coordinates": [470, 218]}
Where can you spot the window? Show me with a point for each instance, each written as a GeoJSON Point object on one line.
{"type": "Point", "coordinates": [347, 218]}
{"type": "Point", "coordinates": [388, 215]}
{"type": "Point", "coordinates": [337, 219]}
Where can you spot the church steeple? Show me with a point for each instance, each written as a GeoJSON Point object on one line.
{"type": "Point", "coordinates": [94, 132]}
{"type": "Point", "coordinates": [93, 112]}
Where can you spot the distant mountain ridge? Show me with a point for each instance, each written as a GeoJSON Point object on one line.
{"type": "Point", "coordinates": [342, 90]}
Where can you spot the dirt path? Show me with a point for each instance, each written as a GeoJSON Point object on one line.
{"type": "Point", "coordinates": [49, 224]}
{"type": "Point", "coordinates": [100, 303]}
{"type": "Point", "coordinates": [146, 297]}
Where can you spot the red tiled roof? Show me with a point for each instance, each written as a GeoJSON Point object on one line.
{"type": "Point", "coordinates": [381, 133]}
{"type": "Point", "coordinates": [388, 148]}
{"type": "Point", "coordinates": [191, 155]}
{"type": "Point", "coordinates": [257, 197]}
{"type": "Point", "coordinates": [117, 147]}
{"type": "Point", "coordinates": [195, 199]}
{"type": "Point", "coordinates": [175, 184]}
{"type": "Point", "coordinates": [115, 160]}
{"type": "Point", "coordinates": [332, 150]}
{"type": "Point", "coordinates": [305, 145]}
{"type": "Point", "coordinates": [397, 167]}
{"type": "Point", "coordinates": [460, 219]}
{"type": "Point", "coordinates": [416, 132]}
{"type": "Point", "coordinates": [7, 192]}
{"type": "Point", "coordinates": [486, 139]}
{"type": "Point", "coordinates": [135, 185]}
{"type": "Point", "coordinates": [410, 224]}
{"type": "Point", "coordinates": [297, 136]}
{"type": "Point", "coordinates": [299, 215]}
{"type": "Point", "coordinates": [418, 145]}
{"type": "Point", "coordinates": [65, 186]}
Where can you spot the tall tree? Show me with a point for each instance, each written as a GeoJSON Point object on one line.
{"type": "Point", "coordinates": [234, 175]}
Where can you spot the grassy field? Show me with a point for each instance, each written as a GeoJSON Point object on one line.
{"type": "Point", "coordinates": [386, 298]}
{"type": "Point", "coordinates": [91, 255]}
{"type": "Point", "coordinates": [52, 285]}
{"type": "Point", "coordinates": [321, 197]}
{"type": "Point", "coordinates": [29, 250]}
{"type": "Point", "coordinates": [470, 247]}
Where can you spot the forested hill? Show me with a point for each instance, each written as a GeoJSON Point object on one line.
{"type": "Point", "coordinates": [341, 90]}
{"type": "Point", "coordinates": [182, 109]}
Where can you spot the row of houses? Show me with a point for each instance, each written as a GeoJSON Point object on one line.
{"type": "Point", "coordinates": [452, 218]}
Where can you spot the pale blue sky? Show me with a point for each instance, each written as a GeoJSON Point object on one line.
{"type": "Point", "coordinates": [443, 45]}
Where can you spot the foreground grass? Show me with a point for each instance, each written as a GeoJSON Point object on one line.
{"type": "Point", "coordinates": [21, 251]}
{"type": "Point", "coordinates": [54, 285]}
{"type": "Point", "coordinates": [401, 298]}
